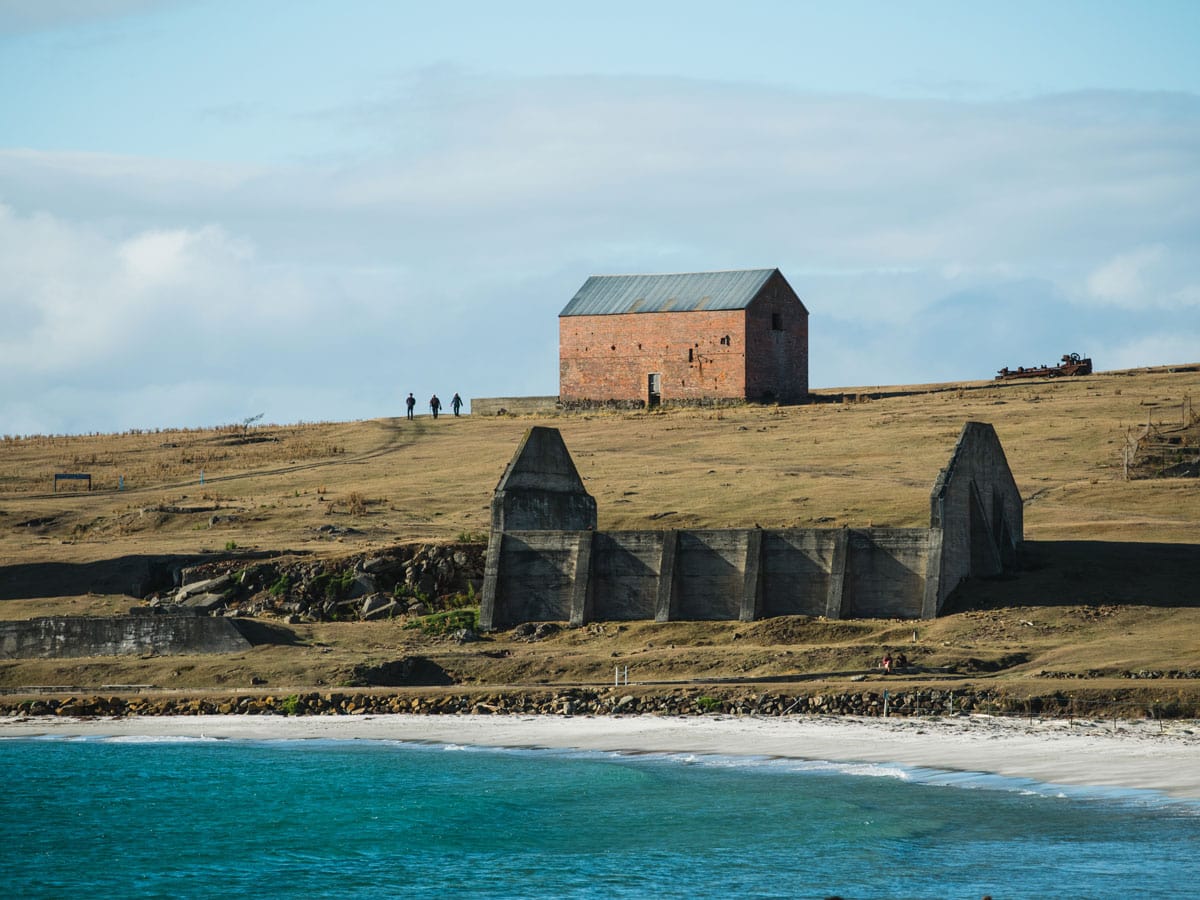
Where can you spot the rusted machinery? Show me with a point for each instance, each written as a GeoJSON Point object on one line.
{"type": "Point", "coordinates": [1072, 364]}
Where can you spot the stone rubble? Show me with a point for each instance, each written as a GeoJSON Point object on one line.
{"type": "Point", "coordinates": [572, 701]}
{"type": "Point", "coordinates": [410, 579]}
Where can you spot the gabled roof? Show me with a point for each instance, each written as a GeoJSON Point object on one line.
{"type": "Point", "coordinates": [605, 295]}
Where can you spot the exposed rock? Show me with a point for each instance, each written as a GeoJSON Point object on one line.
{"type": "Point", "coordinates": [207, 586]}
{"type": "Point", "coordinates": [204, 602]}
{"type": "Point", "coordinates": [362, 585]}
{"type": "Point", "coordinates": [379, 606]}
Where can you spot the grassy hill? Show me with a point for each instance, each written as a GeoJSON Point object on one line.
{"type": "Point", "coordinates": [1112, 577]}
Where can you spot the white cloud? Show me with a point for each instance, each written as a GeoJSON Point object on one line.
{"type": "Point", "coordinates": [1147, 278]}
{"type": "Point", "coordinates": [1120, 279]}
{"type": "Point", "coordinates": [179, 256]}
{"type": "Point", "coordinates": [1181, 345]}
{"type": "Point", "coordinates": [945, 238]}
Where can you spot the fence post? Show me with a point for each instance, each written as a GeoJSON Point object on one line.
{"type": "Point", "coordinates": [885, 703]}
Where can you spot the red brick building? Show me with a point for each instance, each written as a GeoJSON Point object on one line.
{"type": "Point", "coordinates": [739, 335]}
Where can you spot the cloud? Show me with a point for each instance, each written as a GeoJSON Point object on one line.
{"type": "Point", "coordinates": [161, 327]}
{"type": "Point", "coordinates": [930, 239]}
{"type": "Point", "coordinates": [1147, 278]}
{"type": "Point", "coordinates": [22, 16]}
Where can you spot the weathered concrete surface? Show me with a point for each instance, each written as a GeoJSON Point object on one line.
{"type": "Point", "coordinates": [885, 573]}
{"type": "Point", "coordinates": [555, 567]}
{"type": "Point", "coordinates": [57, 637]}
{"type": "Point", "coordinates": [541, 488]}
{"type": "Point", "coordinates": [700, 575]}
{"type": "Point", "coordinates": [977, 507]}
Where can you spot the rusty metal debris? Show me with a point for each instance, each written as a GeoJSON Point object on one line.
{"type": "Point", "coordinates": [1071, 364]}
{"type": "Point", "coordinates": [1164, 449]}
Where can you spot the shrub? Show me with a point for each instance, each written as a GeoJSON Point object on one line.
{"type": "Point", "coordinates": [447, 622]}
{"type": "Point", "coordinates": [708, 704]}
{"type": "Point", "coordinates": [332, 585]}
{"type": "Point", "coordinates": [291, 705]}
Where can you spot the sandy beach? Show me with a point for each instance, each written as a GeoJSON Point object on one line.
{"type": "Point", "coordinates": [1129, 754]}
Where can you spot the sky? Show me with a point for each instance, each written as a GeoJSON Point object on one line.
{"type": "Point", "coordinates": [211, 210]}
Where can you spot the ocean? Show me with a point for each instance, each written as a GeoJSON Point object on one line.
{"type": "Point", "coordinates": [128, 817]}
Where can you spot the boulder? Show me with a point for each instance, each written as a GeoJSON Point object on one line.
{"type": "Point", "coordinates": [207, 586]}
{"type": "Point", "coordinates": [378, 606]}
{"type": "Point", "coordinates": [362, 585]}
{"type": "Point", "coordinates": [204, 603]}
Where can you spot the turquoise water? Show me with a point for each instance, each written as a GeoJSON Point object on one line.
{"type": "Point", "coordinates": [208, 818]}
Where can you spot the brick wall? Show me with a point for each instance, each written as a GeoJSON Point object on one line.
{"type": "Point", "coordinates": [697, 355]}
{"type": "Point", "coordinates": [756, 353]}
{"type": "Point", "coordinates": [776, 345]}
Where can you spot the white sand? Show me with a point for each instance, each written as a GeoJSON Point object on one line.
{"type": "Point", "coordinates": [1136, 755]}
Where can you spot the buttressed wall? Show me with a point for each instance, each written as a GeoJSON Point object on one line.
{"type": "Point", "coordinates": [547, 562]}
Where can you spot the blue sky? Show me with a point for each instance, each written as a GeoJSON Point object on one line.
{"type": "Point", "coordinates": [214, 209]}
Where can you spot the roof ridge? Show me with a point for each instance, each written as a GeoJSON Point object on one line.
{"type": "Point", "coordinates": [667, 274]}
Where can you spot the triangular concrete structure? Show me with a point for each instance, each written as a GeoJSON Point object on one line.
{"type": "Point", "coordinates": [541, 489]}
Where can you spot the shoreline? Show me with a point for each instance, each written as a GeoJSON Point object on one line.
{"type": "Point", "coordinates": [1083, 753]}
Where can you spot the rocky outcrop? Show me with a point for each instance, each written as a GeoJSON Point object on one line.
{"type": "Point", "coordinates": [410, 579]}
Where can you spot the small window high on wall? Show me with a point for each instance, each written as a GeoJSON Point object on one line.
{"type": "Point", "coordinates": [776, 322]}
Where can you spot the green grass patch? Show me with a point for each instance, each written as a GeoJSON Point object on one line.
{"type": "Point", "coordinates": [447, 622]}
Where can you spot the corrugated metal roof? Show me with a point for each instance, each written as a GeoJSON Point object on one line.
{"type": "Point", "coordinates": [606, 295]}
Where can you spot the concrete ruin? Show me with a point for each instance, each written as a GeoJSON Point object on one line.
{"type": "Point", "coordinates": [60, 637]}
{"type": "Point", "coordinates": [547, 562]}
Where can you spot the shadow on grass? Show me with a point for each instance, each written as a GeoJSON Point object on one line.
{"type": "Point", "coordinates": [135, 575]}
{"type": "Point", "coordinates": [258, 632]}
{"type": "Point", "coordinates": [1090, 573]}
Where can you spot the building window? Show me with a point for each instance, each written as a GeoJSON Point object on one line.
{"type": "Point", "coordinates": [725, 340]}
{"type": "Point", "coordinates": [690, 356]}
{"type": "Point", "coordinates": [776, 322]}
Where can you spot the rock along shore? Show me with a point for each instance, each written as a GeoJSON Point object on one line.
{"type": "Point", "coordinates": [621, 700]}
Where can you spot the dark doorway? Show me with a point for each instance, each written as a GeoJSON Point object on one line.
{"type": "Point", "coordinates": [653, 390]}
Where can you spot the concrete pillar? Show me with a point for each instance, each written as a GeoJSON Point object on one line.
{"type": "Point", "coordinates": [491, 618]}
{"type": "Point", "coordinates": [668, 604]}
{"type": "Point", "coordinates": [581, 587]}
{"type": "Point", "coordinates": [985, 547]}
{"type": "Point", "coordinates": [931, 602]}
{"type": "Point", "coordinates": [752, 577]}
{"type": "Point", "coordinates": [837, 574]}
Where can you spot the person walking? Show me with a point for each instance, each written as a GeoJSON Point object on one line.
{"type": "Point", "coordinates": [456, 404]}
{"type": "Point", "coordinates": [409, 404]}
{"type": "Point", "coordinates": [434, 405]}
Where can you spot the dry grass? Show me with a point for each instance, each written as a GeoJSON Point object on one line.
{"type": "Point", "coordinates": [828, 463]}
{"type": "Point", "coordinates": [1096, 541]}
